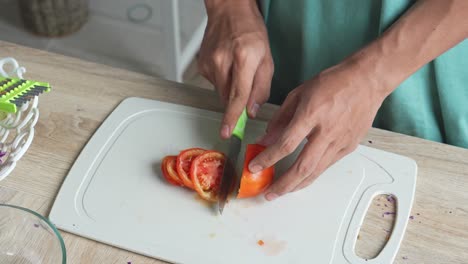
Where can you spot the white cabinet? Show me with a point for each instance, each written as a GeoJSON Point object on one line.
{"type": "Point", "coordinates": [166, 33]}
{"type": "Point", "coordinates": [143, 12]}
{"type": "Point", "coordinates": [116, 43]}
{"type": "Point", "coordinates": [157, 37]}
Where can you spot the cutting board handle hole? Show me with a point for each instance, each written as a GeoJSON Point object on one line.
{"type": "Point", "coordinates": [377, 226]}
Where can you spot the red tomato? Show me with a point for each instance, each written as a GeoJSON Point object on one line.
{"type": "Point", "coordinates": [168, 169]}
{"type": "Point", "coordinates": [171, 170]}
{"type": "Point", "coordinates": [184, 162]}
{"type": "Point", "coordinates": [252, 184]}
{"type": "Point", "coordinates": [206, 172]}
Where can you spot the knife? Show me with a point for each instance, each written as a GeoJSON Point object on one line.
{"type": "Point", "coordinates": [229, 175]}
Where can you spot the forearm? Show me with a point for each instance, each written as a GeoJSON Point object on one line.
{"type": "Point", "coordinates": [425, 31]}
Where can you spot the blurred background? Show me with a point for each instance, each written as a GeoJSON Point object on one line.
{"type": "Point", "coordinates": [155, 37]}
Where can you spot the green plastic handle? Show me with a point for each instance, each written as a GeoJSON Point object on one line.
{"type": "Point", "coordinates": [239, 129]}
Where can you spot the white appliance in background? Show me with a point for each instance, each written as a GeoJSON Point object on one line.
{"type": "Point", "coordinates": [156, 37]}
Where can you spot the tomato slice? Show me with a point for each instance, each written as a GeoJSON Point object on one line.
{"type": "Point", "coordinates": [168, 169]}
{"type": "Point", "coordinates": [206, 173]}
{"type": "Point", "coordinates": [252, 184]}
{"type": "Point", "coordinates": [171, 170]}
{"type": "Point", "coordinates": [184, 162]}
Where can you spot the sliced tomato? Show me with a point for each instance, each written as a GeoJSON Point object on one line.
{"type": "Point", "coordinates": [252, 184]}
{"type": "Point", "coordinates": [171, 170]}
{"type": "Point", "coordinates": [206, 173]}
{"type": "Point", "coordinates": [168, 169]}
{"type": "Point", "coordinates": [184, 162]}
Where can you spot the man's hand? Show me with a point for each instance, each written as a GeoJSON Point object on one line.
{"type": "Point", "coordinates": [235, 57]}
{"type": "Point", "coordinates": [333, 112]}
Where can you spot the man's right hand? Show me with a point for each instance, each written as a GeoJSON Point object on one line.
{"type": "Point", "coordinates": [235, 57]}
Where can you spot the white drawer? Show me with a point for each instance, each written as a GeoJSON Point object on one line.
{"type": "Point", "coordinates": [146, 12]}
{"type": "Point", "coordinates": [116, 43]}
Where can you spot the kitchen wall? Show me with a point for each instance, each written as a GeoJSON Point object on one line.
{"type": "Point", "coordinates": [121, 33]}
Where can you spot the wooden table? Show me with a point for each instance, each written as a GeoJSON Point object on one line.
{"type": "Point", "coordinates": [85, 93]}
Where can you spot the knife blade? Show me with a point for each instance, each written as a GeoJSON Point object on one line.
{"type": "Point", "coordinates": [229, 175]}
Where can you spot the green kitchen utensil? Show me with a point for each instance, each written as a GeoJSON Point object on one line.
{"type": "Point", "coordinates": [229, 175]}
{"type": "Point", "coordinates": [240, 125]}
{"type": "Point", "coordinates": [16, 92]}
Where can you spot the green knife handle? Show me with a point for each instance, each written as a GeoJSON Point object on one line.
{"type": "Point", "coordinates": [239, 129]}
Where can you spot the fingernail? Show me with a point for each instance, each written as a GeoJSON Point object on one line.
{"type": "Point", "coordinates": [225, 131]}
{"type": "Point", "coordinates": [255, 168]}
{"type": "Point", "coordinates": [254, 109]}
{"type": "Point", "coordinates": [271, 196]}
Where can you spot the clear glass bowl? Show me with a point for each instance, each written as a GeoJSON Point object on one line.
{"type": "Point", "coordinates": [27, 237]}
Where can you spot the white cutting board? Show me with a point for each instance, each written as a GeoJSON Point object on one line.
{"type": "Point", "coordinates": [114, 193]}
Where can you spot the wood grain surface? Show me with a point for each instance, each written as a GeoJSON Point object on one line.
{"type": "Point", "coordinates": [85, 93]}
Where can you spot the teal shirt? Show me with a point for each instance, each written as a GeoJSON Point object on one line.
{"type": "Point", "coordinates": [308, 36]}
